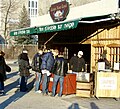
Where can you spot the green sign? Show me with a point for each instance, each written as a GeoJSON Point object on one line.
{"type": "Point", "coordinates": [58, 27]}
{"type": "Point", "coordinates": [21, 32]}
{"type": "Point", "coordinates": [45, 29]}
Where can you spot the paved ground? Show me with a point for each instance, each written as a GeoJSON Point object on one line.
{"type": "Point", "coordinates": [31, 100]}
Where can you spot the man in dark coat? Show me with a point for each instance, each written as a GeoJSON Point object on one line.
{"type": "Point", "coordinates": [36, 66]}
{"type": "Point", "coordinates": [60, 69]}
{"type": "Point", "coordinates": [77, 63]}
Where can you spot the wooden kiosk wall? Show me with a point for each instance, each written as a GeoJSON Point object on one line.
{"type": "Point", "coordinates": [106, 38]}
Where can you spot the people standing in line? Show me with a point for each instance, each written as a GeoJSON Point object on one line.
{"type": "Point", "coordinates": [36, 66]}
{"type": "Point", "coordinates": [46, 67]}
{"type": "Point", "coordinates": [59, 70]}
{"type": "Point", "coordinates": [2, 72]}
{"type": "Point", "coordinates": [77, 63]}
{"type": "Point", "coordinates": [24, 67]}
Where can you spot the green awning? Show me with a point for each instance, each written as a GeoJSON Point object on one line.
{"type": "Point", "coordinates": [47, 28]}
{"type": "Point", "coordinates": [56, 26]}
{"type": "Point", "coordinates": [23, 31]}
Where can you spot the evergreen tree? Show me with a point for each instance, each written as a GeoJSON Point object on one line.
{"type": "Point", "coordinates": [24, 22]}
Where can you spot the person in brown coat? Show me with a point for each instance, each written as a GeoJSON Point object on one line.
{"type": "Point", "coordinates": [24, 67]}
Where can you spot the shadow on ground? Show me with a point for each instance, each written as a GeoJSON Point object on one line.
{"type": "Point", "coordinates": [13, 84]}
{"type": "Point", "coordinates": [74, 106]}
{"type": "Point", "coordinates": [9, 75]}
{"type": "Point", "coordinates": [17, 94]}
{"type": "Point", "coordinates": [94, 106]}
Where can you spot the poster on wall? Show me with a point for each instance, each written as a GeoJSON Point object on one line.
{"type": "Point", "coordinates": [101, 66]}
{"type": "Point", "coordinates": [116, 66]}
{"type": "Point", "coordinates": [108, 83]}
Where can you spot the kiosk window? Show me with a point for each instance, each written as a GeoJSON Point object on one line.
{"type": "Point", "coordinates": [98, 52]}
{"type": "Point", "coordinates": [114, 55]}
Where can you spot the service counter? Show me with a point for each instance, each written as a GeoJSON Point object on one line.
{"type": "Point", "coordinates": [69, 85]}
{"type": "Point", "coordinates": [107, 84]}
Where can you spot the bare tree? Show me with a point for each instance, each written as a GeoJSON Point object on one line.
{"type": "Point", "coordinates": [8, 8]}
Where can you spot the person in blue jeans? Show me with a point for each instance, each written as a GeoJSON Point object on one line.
{"type": "Point", "coordinates": [36, 66]}
{"type": "Point", "coordinates": [60, 69]}
{"type": "Point", "coordinates": [46, 67]}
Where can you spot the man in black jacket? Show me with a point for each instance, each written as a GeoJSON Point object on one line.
{"type": "Point", "coordinates": [59, 70]}
{"type": "Point", "coordinates": [36, 66]}
{"type": "Point", "coordinates": [77, 63]}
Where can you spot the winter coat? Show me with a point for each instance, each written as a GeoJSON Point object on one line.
{"type": "Point", "coordinates": [24, 65]}
{"type": "Point", "coordinates": [36, 62]}
{"type": "Point", "coordinates": [47, 61]}
{"type": "Point", "coordinates": [60, 67]}
{"type": "Point", "coordinates": [2, 69]}
{"type": "Point", "coordinates": [77, 64]}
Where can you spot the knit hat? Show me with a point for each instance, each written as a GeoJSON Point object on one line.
{"type": "Point", "coordinates": [80, 53]}
{"type": "Point", "coordinates": [25, 51]}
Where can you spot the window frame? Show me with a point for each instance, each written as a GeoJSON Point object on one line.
{"type": "Point", "coordinates": [33, 8]}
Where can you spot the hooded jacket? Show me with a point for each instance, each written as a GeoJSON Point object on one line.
{"type": "Point", "coordinates": [24, 65]}
{"type": "Point", "coordinates": [47, 61]}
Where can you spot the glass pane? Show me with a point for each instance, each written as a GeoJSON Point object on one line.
{"type": "Point", "coordinates": [36, 12]}
{"type": "Point", "coordinates": [36, 5]}
{"type": "Point", "coordinates": [29, 4]}
{"type": "Point", "coordinates": [33, 4]}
